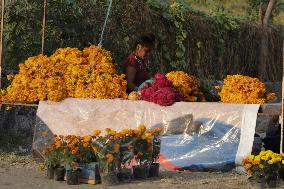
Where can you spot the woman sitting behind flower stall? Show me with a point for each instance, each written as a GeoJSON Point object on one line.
{"type": "Point", "coordinates": [134, 67]}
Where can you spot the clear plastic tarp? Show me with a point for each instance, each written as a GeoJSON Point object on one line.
{"type": "Point", "coordinates": [196, 136]}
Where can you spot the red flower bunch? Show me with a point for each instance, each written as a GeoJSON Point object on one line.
{"type": "Point", "coordinates": [161, 91]}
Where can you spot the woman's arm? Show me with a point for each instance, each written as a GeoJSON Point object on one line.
{"type": "Point", "coordinates": [130, 77]}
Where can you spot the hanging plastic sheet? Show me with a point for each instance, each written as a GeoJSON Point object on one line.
{"type": "Point", "coordinates": [196, 136]}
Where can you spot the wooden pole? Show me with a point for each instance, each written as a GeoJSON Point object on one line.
{"type": "Point", "coordinates": [1, 39]}
{"type": "Point", "coordinates": [43, 26]}
{"type": "Point", "coordinates": [282, 104]}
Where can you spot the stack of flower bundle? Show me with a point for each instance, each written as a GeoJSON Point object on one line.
{"type": "Point", "coordinates": [69, 72]}
{"type": "Point", "coordinates": [244, 90]}
{"type": "Point", "coordinates": [187, 85]}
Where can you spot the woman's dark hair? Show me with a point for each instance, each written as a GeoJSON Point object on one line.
{"type": "Point", "coordinates": [147, 40]}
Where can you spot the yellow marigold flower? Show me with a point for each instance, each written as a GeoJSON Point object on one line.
{"type": "Point", "coordinates": [87, 139]}
{"type": "Point", "coordinates": [262, 153]}
{"type": "Point", "coordinates": [249, 172]}
{"type": "Point", "coordinates": [85, 145]}
{"type": "Point", "coordinates": [271, 96]}
{"type": "Point", "coordinates": [257, 158]}
{"type": "Point", "coordinates": [142, 127]}
{"type": "Point", "coordinates": [244, 89]}
{"type": "Point", "coordinates": [8, 108]}
{"type": "Point", "coordinates": [256, 162]}
{"type": "Point", "coordinates": [58, 144]}
{"type": "Point", "coordinates": [112, 132]}
{"type": "Point", "coordinates": [270, 162]}
{"type": "Point", "coordinates": [67, 73]}
{"type": "Point", "coordinates": [248, 166]}
{"type": "Point", "coordinates": [96, 133]}
{"type": "Point", "coordinates": [157, 130]}
{"type": "Point", "coordinates": [251, 157]}
{"type": "Point", "coordinates": [148, 135]}
{"type": "Point", "coordinates": [137, 132]}
{"type": "Point", "coordinates": [116, 148]}
{"type": "Point", "coordinates": [143, 137]}
{"type": "Point", "coordinates": [110, 158]}
{"type": "Point", "coordinates": [75, 151]}
{"type": "Point", "coordinates": [187, 85]}
{"type": "Point", "coordinates": [124, 132]}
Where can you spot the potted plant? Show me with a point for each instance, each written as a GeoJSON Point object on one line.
{"type": "Point", "coordinates": [264, 167]}
{"type": "Point", "coordinates": [72, 177]}
{"type": "Point", "coordinates": [72, 155]}
{"type": "Point", "coordinates": [53, 159]}
{"type": "Point", "coordinates": [281, 170]}
{"type": "Point", "coordinates": [126, 138]}
{"type": "Point", "coordinates": [143, 148]}
{"type": "Point", "coordinates": [154, 167]}
{"type": "Point", "coordinates": [87, 160]}
{"type": "Point", "coordinates": [108, 152]}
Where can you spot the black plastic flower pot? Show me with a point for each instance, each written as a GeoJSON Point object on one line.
{"type": "Point", "coordinates": [281, 174]}
{"type": "Point", "coordinates": [259, 183]}
{"type": "Point", "coordinates": [124, 175]}
{"type": "Point", "coordinates": [50, 172]}
{"type": "Point", "coordinates": [154, 170]}
{"type": "Point", "coordinates": [140, 172]}
{"type": "Point", "coordinates": [59, 174]}
{"type": "Point", "coordinates": [271, 180]}
{"type": "Point", "coordinates": [109, 179]}
{"type": "Point", "coordinates": [72, 177]}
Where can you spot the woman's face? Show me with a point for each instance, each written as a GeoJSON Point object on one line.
{"type": "Point", "coordinates": [142, 51]}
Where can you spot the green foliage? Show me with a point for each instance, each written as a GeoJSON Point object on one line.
{"type": "Point", "coordinates": [66, 25]}
{"type": "Point", "coordinates": [201, 37]}
{"type": "Point", "coordinates": [178, 13]}
{"type": "Point", "coordinates": [54, 158]}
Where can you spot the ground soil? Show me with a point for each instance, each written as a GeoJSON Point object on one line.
{"type": "Point", "coordinates": [22, 172]}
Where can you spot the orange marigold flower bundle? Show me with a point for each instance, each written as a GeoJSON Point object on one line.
{"type": "Point", "coordinates": [69, 72]}
{"type": "Point", "coordinates": [187, 85]}
{"type": "Point", "coordinates": [244, 90]}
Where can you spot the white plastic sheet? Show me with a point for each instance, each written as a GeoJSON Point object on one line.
{"type": "Point", "coordinates": [196, 135]}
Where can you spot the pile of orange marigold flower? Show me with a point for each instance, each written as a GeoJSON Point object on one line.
{"type": "Point", "coordinates": [187, 85]}
{"type": "Point", "coordinates": [69, 72]}
{"type": "Point", "coordinates": [244, 90]}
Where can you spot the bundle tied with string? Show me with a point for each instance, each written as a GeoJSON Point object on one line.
{"type": "Point", "coordinates": [69, 72]}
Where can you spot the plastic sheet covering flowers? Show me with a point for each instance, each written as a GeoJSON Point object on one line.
{"type": "Point", "coordinates": [69, 72]}
{"type": "Point", "coordinates": [161, 91]}
{"type": "Point", "coordinates": [244, 90]}
{"type": "Point", "coordinates": [187, 85]}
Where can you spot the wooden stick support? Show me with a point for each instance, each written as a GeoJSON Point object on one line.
{"type": "Point", "coordinates": [282, 104]}
{"type": "Point", "coordinates": [43, 26]}
{"type": "Point", "coordinates": [1, 40]}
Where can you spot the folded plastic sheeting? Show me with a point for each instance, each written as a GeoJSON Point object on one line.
{"type": "Point", "coordinates": [196, 136]}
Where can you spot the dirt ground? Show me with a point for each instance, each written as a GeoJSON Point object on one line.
{"type": "Point", "coordinates": [22, 172]}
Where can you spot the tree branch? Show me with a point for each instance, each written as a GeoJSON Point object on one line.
{"type": "Point", "coordinates": [268, 12]}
